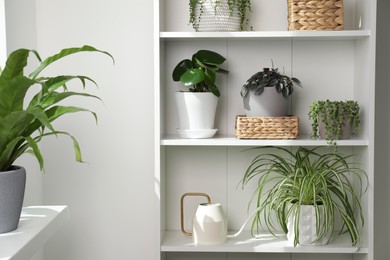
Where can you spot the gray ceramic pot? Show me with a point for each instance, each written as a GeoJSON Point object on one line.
{"type": "Point", "coordinates": [268, 103]}
{"type": "Point", "coordinates": [12, 186]}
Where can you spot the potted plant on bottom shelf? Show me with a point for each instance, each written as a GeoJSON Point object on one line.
{"type": "Point", "coordinates": [306, 191]}
{"type": "Point", "coordinates": [334, 120]}
{"type": "Point", "coordinates": [196, 108]}
{"type": "Point", "coordinates": [219, 15]}
{"type": "Point", "coordinates": [266, 93]}
{"type": "Point", "coordinates": [25, 121]}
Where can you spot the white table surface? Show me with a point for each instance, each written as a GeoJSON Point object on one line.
{"type": "Point", "coordinates": [37, 224]}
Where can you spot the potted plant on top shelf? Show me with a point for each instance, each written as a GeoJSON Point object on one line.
{"type": "Point", "coordinates": [24, 121]}
{"type": "Point", "coordinates": [334, 120]}
{"type": "Point", "coordinates": [305, 193]}
{"type": "Point", "coordinates": [219, 15]}
{"type": "Point", "coordinates": [196, 108]}
{"type": "Point", "coordinates": [266, 93]}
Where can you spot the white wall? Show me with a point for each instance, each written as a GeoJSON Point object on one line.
{"type": "Point", "coordinates": [111, 196]}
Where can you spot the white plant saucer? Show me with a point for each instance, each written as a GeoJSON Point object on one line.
{"type": "Point", "coordinates": [196, 133]}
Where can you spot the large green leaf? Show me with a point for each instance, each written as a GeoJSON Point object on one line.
{"type": "Point", "coordinates": [181, 68]}
{"type": "Point", "coordinates": [192, 77]}
{"type": "Point", "coordinates": [209, 57]}
{"type": "Point", "coordinates": [64, 53]}
{"type": "Point", "coordinates": [55, 97]}
{"type": "Point", "coordinates": [51, 84]}
{"type": "Point", "coordinates": [12, 93]}
{"type": "Point", "coordinates": [13, 150]}
{"type": "Point", "coordinates": [16, 63]}
{"type": "Point", "coordinates": [13, 125]}
{"type": "Point", "coordinates": [54, 113]}
{"type": "Point", "coordinates": [59, 81]}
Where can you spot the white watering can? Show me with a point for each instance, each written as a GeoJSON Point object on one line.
{"type": "Point", "coordinates": [209, 226]}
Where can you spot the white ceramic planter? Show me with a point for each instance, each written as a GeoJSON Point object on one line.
{"type": "Point", "coordinates": [307, 227]}
{"type": "Point", "coordinates": [196, 114]}
{"type": "Point", "coordinates": [217, 18]}
{"type": "Point", "coordinates": [268, 103]}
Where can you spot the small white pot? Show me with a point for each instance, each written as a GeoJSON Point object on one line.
{"type": "Point", "coordinates": [215, 17]}
{"type": "Point", "coordinates": [268, 103]}
{"type": "Point", "coordinates": [307, 227]}
{"type": "Point", "coordinates": [196, 114]}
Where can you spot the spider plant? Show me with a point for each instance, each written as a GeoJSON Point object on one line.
{"type": "Point", "coordinates": [287, 180]}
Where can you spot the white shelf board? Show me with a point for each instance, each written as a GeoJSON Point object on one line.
{"type": "Point", "coordinates": [175, 241]}
{"type": "Point", "coordinates": [37, 224]}
{"type": "Point", "coordinates": [320, 35]}
{"type": "Point", "coordinates": [222, 140]}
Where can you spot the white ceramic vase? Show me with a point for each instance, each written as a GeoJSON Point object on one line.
{"type": "Point", "coordinates": [268, 103]}
{"type": "Point", "coordinates": [196, 114]}
{"type": "Point", "coordinates": [307, 227]}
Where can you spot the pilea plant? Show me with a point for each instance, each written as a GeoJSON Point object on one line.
{"type": "Point", "coordinates": [199, 73]}
{"type": "Point", "coordinates": [243, 6]}
{"type": "Point", "coordinates": [270, 78]}
{"type": "Point", "coordinates": [334, 115]}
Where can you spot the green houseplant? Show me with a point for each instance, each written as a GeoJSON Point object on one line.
{"type": "Point", "coordinates": [221, 10]}
{"type": "Point", "coordinates": [334, 120]}
{"type": "Point", "coordinates": [26, 119]}
{"type": "Point", "coordinates": [266, 92]}
{"type": "Point", "coordinates": [197, 107]}
{"type": "Point", "coordinates": [288, 180]}
{"type": "Point", "coordinates": [199, 72]}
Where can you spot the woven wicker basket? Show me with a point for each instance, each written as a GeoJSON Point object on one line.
{"type": "Point", "coordinates": [315, 15]}
{"type": "Point", "coordinates": [284, 127]}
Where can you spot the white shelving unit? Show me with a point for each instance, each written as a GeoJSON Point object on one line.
{"type": "Point", "coordinates": [331, 64]}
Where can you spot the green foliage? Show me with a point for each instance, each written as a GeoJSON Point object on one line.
{"type": "Point", "coordinates": [270, 78]}
{"type": "Point", "coordinates": [287, 180]}
{"type": "Point", "coordinates": [24, 123]}
{"type": "Point", "coordinates": [332, 114]}
{"type": "Point", "coordinates": [243, 6]}
{"type": "Point", "coordinates": [199, 73]}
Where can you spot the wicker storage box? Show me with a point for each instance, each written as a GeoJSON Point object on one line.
{"type": "Point", "coordinates": [267, 127]}
{"type": "Point", "coordinates": [315, 15]}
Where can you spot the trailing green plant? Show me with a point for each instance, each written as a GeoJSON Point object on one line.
{"type": "Point", "coordinates": [287, 180]}
{"type": "Point", "coordinates": [333, 114]}
{"type": "Point", "coordinates": [243, 6]}
{"type": "Point", "coordinates": [25, 121]}
{"type": "Point", "coordinates": [199, 73]}
{"type": "Point", "coordinates": [270, 78]}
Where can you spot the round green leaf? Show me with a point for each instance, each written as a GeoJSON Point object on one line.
{"type": "Point", "coordinates": [192, 77]}
{"type": "Point", "coordinates": [181, 68]}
